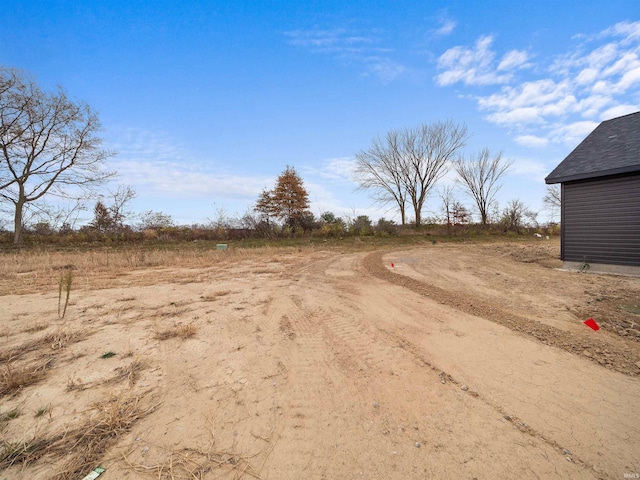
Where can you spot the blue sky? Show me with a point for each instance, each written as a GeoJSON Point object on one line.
{"type": "Point", "coordinates": [207, 102]}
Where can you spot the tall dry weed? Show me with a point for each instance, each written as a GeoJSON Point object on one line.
{"type": "Point", "coordinates": [66, 279]}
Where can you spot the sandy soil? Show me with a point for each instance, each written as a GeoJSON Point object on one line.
{"type": "Point", "coordinates": [459, 361]}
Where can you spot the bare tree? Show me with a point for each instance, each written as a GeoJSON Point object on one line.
{"type": "Point", "coordinates": [152, 220]}
{"type": "Point", "coordinates": [552, 197]}
{"type": "Point", "coordinates": [552, 200]}
{"type": "Point", "coordinates": [408, 164]}
{"type": "Point", "coordinates": [380, 168]}
{"type": "Point", "coordinates": [479, 175]}
{"type": "Point", "coordinates": [448, 199]}
{"type": "Point", "coordinates": [120, 198]}
{"type": "Point", "coordinates": [427, 152]}
{"type": "Point", "coordinates": [61, 216]}
{"type": "Point", "coordinates": [48, 145]}
{"type": "Point", "coordinates": [514, 215]}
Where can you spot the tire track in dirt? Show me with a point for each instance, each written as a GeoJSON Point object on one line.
{"type": "Point", "coordinates": [517, 422]}
{"type": "Point", "coordinates": [368, 354]}
{"type": "Point", "coordinates": [380, 347]}
{"type": "Point", "coordinates": [623, 360]}
{"type": "Point", "coordinates": [302, 399]}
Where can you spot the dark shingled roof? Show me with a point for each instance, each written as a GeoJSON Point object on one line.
{"type": "Point", "coordinates": [612, 148]}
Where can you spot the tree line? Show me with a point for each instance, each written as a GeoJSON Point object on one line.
{"type": "Point", "coordinates": [50, 147]}
{"type": "Point", "coordinates": [404, 167]}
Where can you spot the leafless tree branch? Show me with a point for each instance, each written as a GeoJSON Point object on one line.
{"type": "Point", "coordinates": [407, 164]}
{"type": "Point", "coordinates": [479, 175]}
{"type": "Point", "coordinates": [48, 144]}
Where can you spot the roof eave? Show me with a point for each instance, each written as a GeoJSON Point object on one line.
{"type": "Point", "coordinates": [585, 176]}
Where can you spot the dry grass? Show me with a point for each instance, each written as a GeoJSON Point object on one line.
{"type": "Point", "coordinates": [263, 270]}
{"type": "Point", "coordinates": [189, 463]}
{"type": "Point", "coordinates": [82, 446]}
{"type": "Point", "coordinates": [37, 270]}
{"type": "Point", "coordinates": [131, 372]}
{"type": "Point", "coordinates": [63, 337]}
{"type": "Point", "coordinates": [85, 445]}
{"type": "Point", "coordinates": [126, 299]}
{"type": "Point", "coordinates": [213, 296]}
{"type": "Point", "coordinates": [29, 363]}
{"type": "Point", "coordinates": [198, 463]}
{"type": "Point", "coordinates": [57, 340]}
{"type": "Point", "coordinates": [184, 331]}
{"type": "Point", "coordinates": [20, 451]}
{"type": "Point", "coordinates": [14, 377]}
{"type": "Point", "coordinates": [74, 384]}
{"type": "Point", "coordinates": [35, 327]}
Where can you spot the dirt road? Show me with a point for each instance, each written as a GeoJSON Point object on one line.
{"type": "Point", "coordinates": [459, 361]}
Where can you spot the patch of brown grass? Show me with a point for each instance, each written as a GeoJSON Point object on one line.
{"type": "Point", "coordinates": [85, 445]}
{"type": "Point", "coordinates": [193, 463]}
{"type": "Point", "coordinates": [20, 451]}
{"type": "Point", "coordinates": [20, 368]}
{"type": "Point", "coordinates": [190, 463]}
{"type": "Point", "coordinates": [184, 331]}
{"type": "Point", "coordinates": [126, 299]}
{"type": "Point", "coordinates": [57, 340]}
{"type": "Point", "coordinates": [80, 447]}
{"type": "Point", "coordinates": [62, 338]}
{"type": "Point", "coordinates": [35, 327]}
{"type": "Point", "coordinates": [15, 377]}
{"type": "Point", "coordinates": [130, 372]}
{"type": "Point", "coordinates": [74, 384]}
{"type": "Point", "coordinates": [99, 267]}
{"type": "Point", "coordinates": [213, 296]}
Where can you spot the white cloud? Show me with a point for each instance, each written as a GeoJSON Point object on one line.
{"type": "Point", "coordinates": [471, 66]}
{"type": "Point", "coordinates": [590, 106]}
{"type": "Point", "coordinates": [514, 59]}
{"type": "Point", "coordinates": [529, 103]}
{"type": "Point", "coordinates": [627, 61]}
{"type": "Point", "coordinates": [183, 180]}
{"type": "Point", "coordinates": [337, 39]}
{"type": "Point", "coordinates": [384, 68]}
{"type": "Point", "coordinates": [336, 170]}
{"type": "Point", "coordinates": [628, 30]}
{"type": "Point", "coordinates": [586, 76]}
{"type": "Point", "coordinates": [600, 57]}
{"type": "Point", "coordinates": [446, 27]}
{"type": "Point", "coordinates": [532, 141]}
{"type": "Point", "coordinates": [351, 46]}
{"type": "Point", "coordinates": [340, 168]}
{"type": "Point", "coordinates": [618, 111]}
{"type": "Point", "coordinates": [156, 163]}
{"type": "Point", "coordinates": [629, 79]}
{"type": "Point", "coordinates": [571, 133]}
{"type": "Point", "coordinates": [528, 168]}
{"type": "Point", "coordinates": [598, 78]}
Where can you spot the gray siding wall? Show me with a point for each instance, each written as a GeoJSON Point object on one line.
{"type": "Point", "coordinates": [601, 221]}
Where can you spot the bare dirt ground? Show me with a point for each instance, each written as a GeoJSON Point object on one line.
{"type": "Point", "coordinates": [459, 361]}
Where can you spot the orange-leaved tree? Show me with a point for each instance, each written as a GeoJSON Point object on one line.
{"type": "Point", "coordinates": [288, 201]}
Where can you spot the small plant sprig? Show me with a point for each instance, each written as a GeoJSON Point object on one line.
{"type": "Point", "coordinates": [43, 411]}
{"type": "Point", "coordinates": [66, 279]}
{"type": "Point", "coordinates": [585, 266]}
